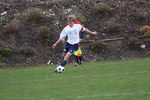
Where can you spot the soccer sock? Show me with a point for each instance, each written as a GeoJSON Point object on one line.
{"type": "Point", "coordinates": [80, 58]}
{"type": "Point", "coordinates": [63, 63]}
{"type": "Point", "coordinates": [77, 59]}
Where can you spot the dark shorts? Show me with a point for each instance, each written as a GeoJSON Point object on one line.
{"type": "Point", "coordinates": [70, 48]}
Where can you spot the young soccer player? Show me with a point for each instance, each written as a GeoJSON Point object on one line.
{"type": "Point", "coordinates": [71, 31]}
{"type": "Point", "coordinates": [78, 54]}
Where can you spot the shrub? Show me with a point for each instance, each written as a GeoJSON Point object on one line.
{"type": "Point", "coordinates": [18, 1]}
{"type": "Point", "coordinates": [44, 33]}
{"type": "Point", "coordinates": [5, 51]}
{"type": "Point", "coordinates": [27, 51]}
{"type": "Point", "coordinates": [98, 47]}
{"type": "Point", "coordinates": [2, 43]}
{"type": "Point", "coordinates": [33, 14]}
{"type": "Point", "coordinates": [12, 27]}
{"type": "Point", "coordinates": [81, 18]}
{"type": "Point", "coordinates": [113, 27]}
{"type": "Point", "coordinates": [66, 3]}
{"type": "Point", "coordinates": [145, 30]}
{"type": "Point", "coordinates": [2, 20]}
{"type": "Point", "coordinates": [134, 43]}
{"type": "Point", "coordinates": [101, 8]}
{"type": "Point", "coordinates": [138, 15]}
{"type": "Point", "coordinates": [1, 58]}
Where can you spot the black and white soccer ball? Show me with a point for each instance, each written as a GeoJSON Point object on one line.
{"type": "Point", "coordinates": [59, 69]}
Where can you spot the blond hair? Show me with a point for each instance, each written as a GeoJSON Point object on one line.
{"type": "Point", "coordinates": [72, 18]}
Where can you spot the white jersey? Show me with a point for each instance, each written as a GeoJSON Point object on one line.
{"type": "Point", "coordinates": [72, 33]}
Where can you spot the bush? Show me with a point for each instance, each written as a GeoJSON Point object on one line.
{"type": "Point", "coordinates": [44, 33]}
{"type": "Point", "coordinates": [1, 58]}
{"type": "Point", "coordinates": [5, 51]}
{"type": "Point", "coordinates": [113, 27]}
{"type": "Point", "coordinates": [98, 47]}
{"type": "Point", "coordinates": [67, 3]}
{"type": "Point", "coordinates": [145, 30]}
{"type": "Point", "coordinates": [138, 15]}
{"type": "Point", "coordinates": [27, 51]}
{"type": "Point", "coordinates": [12, 27]}
{"type": "Point", "coordinates": [134, 43]}
{"type": "Point", "coordinates": [81, 18]}
{"type": "Point", "coordinates": [2, 20]}
{"type": "Point", "coordinates": [2, 44]}
{"type": "Point", "coordinates": [33, 15]}
{"type": "Point", "coordinates": [19, 1]}
{"type": "Point", "coordinates": [101, 8]}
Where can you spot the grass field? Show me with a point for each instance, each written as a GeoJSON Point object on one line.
{"type": "Point", "coordinates": [107, 80]}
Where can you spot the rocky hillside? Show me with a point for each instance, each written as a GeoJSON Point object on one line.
{"type": "Point", "coordinates": [28, 28]}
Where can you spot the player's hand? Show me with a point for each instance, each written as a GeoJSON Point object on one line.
{"type": "Point", "coordinates": [54, 46]}
{"type": "Point", "coordinates": [95, 33]}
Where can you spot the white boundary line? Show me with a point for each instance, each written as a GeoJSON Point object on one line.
{"type": "Point", "coordinates": [74, 77]}
{"type": "Point", "coordinates": [138, 93]}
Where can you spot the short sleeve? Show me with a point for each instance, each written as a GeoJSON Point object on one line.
{"type": "Point", "coordinates": [81, 28]}
{"type": "Point", "coordinates": [63, 34]}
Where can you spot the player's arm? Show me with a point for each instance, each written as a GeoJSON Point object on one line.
{"type": "Point", "coordinates": [61, 38]}
{"type": "Point", "coordinates": [88, 31]}
{"type": "Point", "coordinates": [56, 43]}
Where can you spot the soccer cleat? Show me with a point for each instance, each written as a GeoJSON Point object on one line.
{"type": "Point", "coordinates": [76, 65]}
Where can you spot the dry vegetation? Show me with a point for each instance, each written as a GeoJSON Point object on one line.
{"type": "Point", "coordinates": [98, 47]}
{"type": "Point", "coordinates": [32, 26]}
{"type": "Point", "coordinates": [101, 8]}
{"type": "Point", "coordinates": [145, 30]}
{"type": "Point", "coordinates": [45, 33]}
{"type": "Point", "coordinates": [134, 43]}
{"type": "Point", "coordinates": [12, 27]}
{"type": "Point", "coordinates": [27, 51]}
{"type": "Point", "coordinates": [33, 15]}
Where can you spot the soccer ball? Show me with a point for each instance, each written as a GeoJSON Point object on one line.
{"type": "Point", "coordinates": [59, 69]}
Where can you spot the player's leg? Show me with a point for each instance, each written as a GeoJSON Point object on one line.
{"type": "Point", "coordinates": [66, 58]}
{"type": "Point", "coordinates": [71, 49]}
{"type": "Point", "coordinates": [76, 54]}
{"type": "Point", "coordinates": [80, 59]}
{"type": "Point", "coordinates": [66, 49]}
{"type": "Point", "coordinates": [76, 60]}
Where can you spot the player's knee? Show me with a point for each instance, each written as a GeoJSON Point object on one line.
{"type": "Point", "coordinates": [68, 55]}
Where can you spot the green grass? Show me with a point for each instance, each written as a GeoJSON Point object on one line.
{"type": "Point", "coordinates": [107, 80]}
